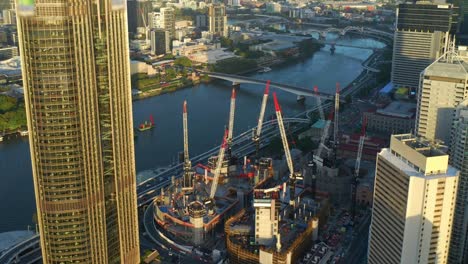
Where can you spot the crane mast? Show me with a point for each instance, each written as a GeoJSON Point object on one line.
{"type": "Point", "coordinates": [337, 110]}
{"type": "Point", "coordinates": [258, 131]}
{"type": "Point", "coordinates": [361, 146]}
{"type": "Point", "coordinates": [324, 137]}
{"type": "Point", "coordinates": [231, 116]}
{"type": "Point", "coordinates": [319, 103]}
{"type": "Point", "coordinates": [358, 165]}
{"type": "Point", "coordinates": [219, 164]}
{"type": "Point", "coordinates": [186, 152]}
{"type": "Point", "coordinates": [292, 175]}
{"type": "Point", "coordinates": [231, 122]}
{"type": "Point", "coordinates": [188, 172]}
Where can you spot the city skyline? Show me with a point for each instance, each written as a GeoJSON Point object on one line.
{"type": "Point", "coordinates": [367, 97]}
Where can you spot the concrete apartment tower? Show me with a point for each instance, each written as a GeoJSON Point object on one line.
{"type": "Point", "coordinates": [421, 36]}
{"type": "Point", "coordinates": [167, 20]}
{"type": "Point", "coordinates": [443, 85]}
{"type": "Point", "coordinates": [414, 201]}
{"type": "Point", "coordinates": [217, 20]}
{"type": "Point", "coordinates": [458, 158]}
{"type": "Point", "coordinates": [76, 76]}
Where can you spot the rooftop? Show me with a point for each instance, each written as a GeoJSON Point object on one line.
{"type": "Point", "coordinates": [411, 170]}
{"type": "Point", "coordinates": [11, 66]}
{"type": "Point", "coordinates": [319, 124]}
{"type": "Point", "coordinates": [458, 69]}
{"type": "Point", "coordinates": [425, 157]}
{"type": "Point", "coordinates": [399, 109]}
{"type": "Point", "coordinates": [387, 88]}
{"type": "Point", "coordinates": [421, 145]}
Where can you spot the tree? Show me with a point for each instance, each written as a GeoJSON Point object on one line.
{"type": "Point", "coordinates": [183, 61]}
{"type": "Point", "coordinates": [227, 43]}
{"type": "Point", "coordinates": [7, 103]}
{"type": "Point", "coordinates": [171, 74]}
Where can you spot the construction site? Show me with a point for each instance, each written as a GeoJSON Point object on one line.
{"type": "Point", "coordinates": [267, 214]}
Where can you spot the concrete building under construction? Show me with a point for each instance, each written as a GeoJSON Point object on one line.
{"type": "Point", "coordinates": [191, 208]}
{"type": "Point", "coordinates": [273, 231]}
{"type": "Point", "coordinates": [192, 217]}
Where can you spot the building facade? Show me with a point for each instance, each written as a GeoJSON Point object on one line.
{"type": "Point", "coordinates": [443, 85]}
{"type": "Point", "coordinates": [459, 159]}
{"type": "Point", "coordinates": [201, 21]}
{"type": "Point", "coordinates": [76, 76]}
{"type": "Point", "coordinates": [159, 41]}
{"type": "Point", "coordinates": [421, 36]}
{"type": "Point", "coordinates": [154, 20]}
{"type": "Point", "coordinates": [9, 17]}
{"type": "Point", "coordinates": [167, 20]}
{"type": "Point", "coordinates": [217, 20]}
{"type": "Point", "coordinates": [397, 117]}
{"type": "Point", "coordinates": [414, 201]}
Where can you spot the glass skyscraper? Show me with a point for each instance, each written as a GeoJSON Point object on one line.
{"type": "Point", "coordinates": [76, 76]}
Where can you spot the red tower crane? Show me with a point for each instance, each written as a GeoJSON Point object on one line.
{"type": "Point", "coordinates": [293, 176]}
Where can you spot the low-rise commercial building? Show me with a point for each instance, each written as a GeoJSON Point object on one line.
{"type": "Point", "coordinates": [211, 56]}
{"type": "Point", "coordinates": [8, 52]}
{"type": "Point", "coordinates": [397, 117]}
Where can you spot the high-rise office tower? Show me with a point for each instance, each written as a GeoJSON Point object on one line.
{"type": "Point", "coordinates": [414, 202]}
{"type": "Point", "coordinates": [137, 11]}
{"type": "Point", "coordinates": [167, 20]}
{"type": "Point", "coordinates": [201, 21]}
{"type": "Point", "coordinates": [159, 40]}
{"type": "Point", "coordinates": [443, 85]}
{"type": "Point", "coordinates": [9, 14]}
{"type": "Point", "coordinates": [421, 36]}
{"type": "Point", "coordinates": [458, 252]}
{"type": "Point", "coordinates": [9, 17]}
{"type": "Point", "coordinates": [217, 20]}
{"type": "Point", "coordinates": [154, 20]}
{"type": "Point", "coordinates": [76, 75]}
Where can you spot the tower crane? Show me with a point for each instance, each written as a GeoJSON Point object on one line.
{"type": "Point", "coordinates": [317, 157]}
{"type": "Point", "coordinates": [217, 172]}
{"type": "Point", "coordinates": [293, 176]}
{"type": "Point", "coordinates": [258, 131]}
{"type": "Point", "coordinates": [336, 120]}
{"type": "Point", "coordinates": [319, 103]}
{"type": "Point", "coordinates": [146, 25]}
{"type": "Point", "coordinates": [231, 122]}
{"type": "Point", "coordinates": [357, 166]}
{"type": "Point", "coordinates": [188, 172]}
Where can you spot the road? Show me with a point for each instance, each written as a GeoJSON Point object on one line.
{"type": "Point", "coordinates": [357, 252]}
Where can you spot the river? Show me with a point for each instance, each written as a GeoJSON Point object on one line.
{"type": "Point", "coordinates": [208, 106]}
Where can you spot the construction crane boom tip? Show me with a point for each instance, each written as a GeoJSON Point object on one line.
{"type": "Point", "coordinates": [267, 88]}
{"type": "Point", "coordinates": [277, 106]}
